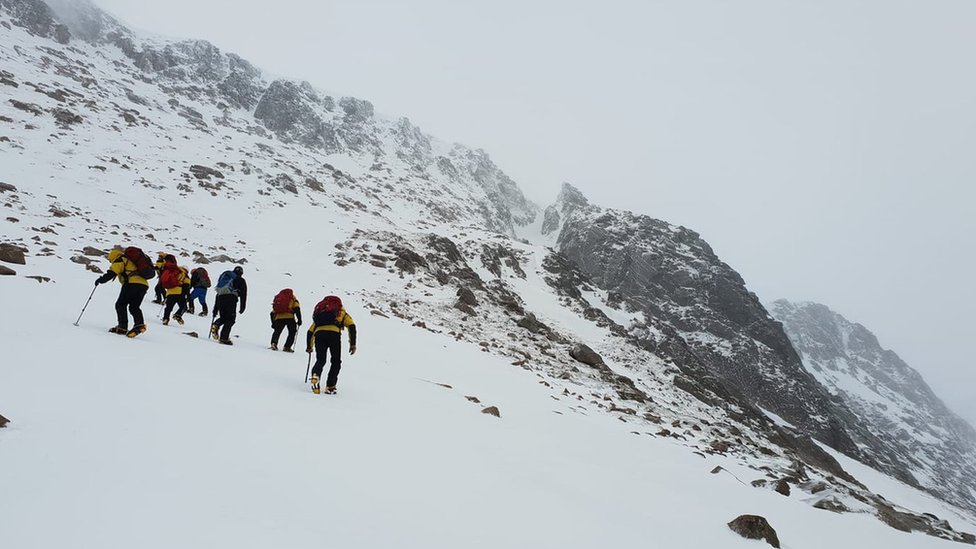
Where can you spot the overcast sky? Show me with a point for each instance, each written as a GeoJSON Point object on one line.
{"type": "Point", "coordinates": [826, 150]}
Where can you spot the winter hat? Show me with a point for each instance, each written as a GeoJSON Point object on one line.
{"type": "Point", "coordinates": [239, 270]}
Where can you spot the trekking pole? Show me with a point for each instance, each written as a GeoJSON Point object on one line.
{"type": "Point", "coordinates": [86, 305]}
{"type": "Point", "coordinates": [307, 367]}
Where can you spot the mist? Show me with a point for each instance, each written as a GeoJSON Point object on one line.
{"type": "Point", "coordinates": [824, 150]}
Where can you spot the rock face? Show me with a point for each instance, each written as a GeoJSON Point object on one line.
{"type": "Point", "coordinates": [697, 312]}
{"type": "Point", "coordinates": [3, 422]}
{"type": "Point", "coordinates": [922, 440]}
{"type": "Point", "coordinates": [10, 253]}
{"type": "Point", "coordinates": [37, 17]}
{"type": "Point", "coordinates": [754, 527]}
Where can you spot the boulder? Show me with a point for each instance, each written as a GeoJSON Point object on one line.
{"type": "Point", "coordinates": [783, 487]}
{"type": "Point", "coordinates": [93, 252]}
{"type": "Point", "coordinates": [10, 253]}
{"type": "Point", "coordinates": [3, 422]}
{"type": "Point", "coordinates": [7, 271]}
{"type": "Point", "coordinates": [755, 527]}
{"type": "Point", "coordinates": [467, 297]}
{"type": "Point", "coordinates": [7, 187]}
{"type": "Point", "coordinates": [492, 411]}
{"type": "Point", "coordinates": [80, 259]}
{"type": "Point", "coordinates": [584, 354]}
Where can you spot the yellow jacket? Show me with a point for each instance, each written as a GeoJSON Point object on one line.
{"type": "Point", "coordinates": [343, 320]}
{"type": "Point", "coordinates": [184, 278]}
{"type": "Point", "coordinates": [291, 311]}
{"type": "Point", "coordinates": [124, 269]}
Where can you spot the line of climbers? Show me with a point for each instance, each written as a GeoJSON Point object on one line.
{"type": "Point", "coordinates": [180, 289]}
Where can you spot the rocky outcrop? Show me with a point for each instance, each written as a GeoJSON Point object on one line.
{"type": "Point", "coordinates": [912, 428]}
{"type": "Point", "coordinates": [755, 527]}
{"type": "Point", "coordinates": [37, 17]}
{"type": "Point", "coordinates": [12, 253]}
{"type": "Point", "coordinates": [698, 312]}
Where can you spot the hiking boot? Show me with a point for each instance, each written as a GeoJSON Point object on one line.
{"type": "Point", "coordinates": [214, 332]}
{"type": "Point", "coordinates": [165, 322]}
{"type": "Point", "coordinates": [189, 310]}
{"type": "Point", "coordinates": [205, 311]}
{"type": "Point", "coordinates": [315, 384]}
{"type": "Point", "coordinates": [158, 301]}
{"type": "Point", "coordinates": [330, 390]}
{"type": "Point", "coordinates": [122, 330]}
{"type": "Point", "coordinates": [179, 319]}
{"type": "Point", "coordinates": [274, 346]}
{"type": "Point", "coordinates": [136, 330]}
{"type": "Point", "coordinates": [226, 342]}
{"type": "Point", "coordinates": [288, 350]}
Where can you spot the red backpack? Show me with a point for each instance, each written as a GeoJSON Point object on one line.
{"type": "Point", "coordinates": [170, 276]}
{"type": "Point", "coordinates": [282, 302]}
{"type": "Point", "coordinates": [203, 277]}
{"type": "Point", "coordinates": [143, 265]}
{"type": "Point", "coordinates": [327, 311]}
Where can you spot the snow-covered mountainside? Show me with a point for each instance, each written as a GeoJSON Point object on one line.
{"type": "Point", "coordinates": [699, 313]}
{"type": "Point", "coordinates": [891, 397]}
{"type": "Point", "coordinates": [619, 350]}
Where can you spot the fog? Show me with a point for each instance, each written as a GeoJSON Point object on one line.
{"type": "Point", "coordinates": [825, 150]}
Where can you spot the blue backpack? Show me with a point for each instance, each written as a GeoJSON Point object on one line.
{"type": "Point", "coordinates": [225, 284]}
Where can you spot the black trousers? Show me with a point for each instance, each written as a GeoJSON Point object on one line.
{"type": "Point", "coordinates": [279, 324]}
{"type": "Point", "coordinates": [160, 292]}
{"type": "Point", "coordinates": [130, 297]}
{"type": "Point", "coordinates": [225, 307]}
{"type": "Point", "coordinates": [328, 343]}
{"type": "Point", "coordinates": [172, 300]}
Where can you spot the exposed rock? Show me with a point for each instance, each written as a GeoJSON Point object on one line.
{"type": "Point", "coordinates": [93, 252]}
{"type": "Point", "coordinates": [203, 172]}
{"type": "Point", "coordinates": [465, 308]}
{"type": "Point", "coordinates": [40, 279]}
{"type": "Point", "coordinates": [7, 188]}
{"type": "Point", "coordinates": [755, 527]}
{"type": "Point", "coordinates": [6, 271]}
{"type": "Point", "coordinates": [492, 411]}
{"type": "Point", "coordinates": [783, 487]}
{"type": "Point", "coordinates": [473, 399]}
{"type": "Point", "coordinates": [467, 297]}
{"type": "Point", "coordinates": [191, 334]}
{"type": "Point", "coordinates": [3, 422]}
{"type": "Point", "coordinates": [832, 504]}
{"type": "Point", "coordinates": [80, 259]}
{"type": "Point", "coordinates": [584, 354]}
{"type": "Point", "coordinates": [10, 253]}
{"type": "Point", "coordinates": [66, 118]}
{"type": "Point", "coordinates": [841, 351]}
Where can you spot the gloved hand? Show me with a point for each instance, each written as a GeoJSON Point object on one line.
{"type": "Point", "coordinates": [241, 311]}
{"type": "Point", "coordinates": [352, 350]}
{"type": "Point", "coordinates": [98, 281]}
{"type": "Point", "coordinates": [308, 350]}
{"type": "Point", "coordinates": [299, 323]}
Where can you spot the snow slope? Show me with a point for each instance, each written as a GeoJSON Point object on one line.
{"type": "Point", "coordinates": [169, 440]}
{"type": "Point", "coordinates": [173, 441]}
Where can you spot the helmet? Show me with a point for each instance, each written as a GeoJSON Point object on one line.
{"type": "Point", "coordinates": [239, 270]}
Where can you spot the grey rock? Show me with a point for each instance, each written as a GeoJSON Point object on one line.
{"type": "Point", "coordinates": [6, 271]}
{"type": "Point", "coordinates": [586, 355]}
{"type": "Point", "coordinates": [12, 253]}
{"type": "Point", "coordinates": [754, 527]}
{"type": "Point", "coordinates": [36, 17]}
{"type": "Point", "coordinates": [492, 411]}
